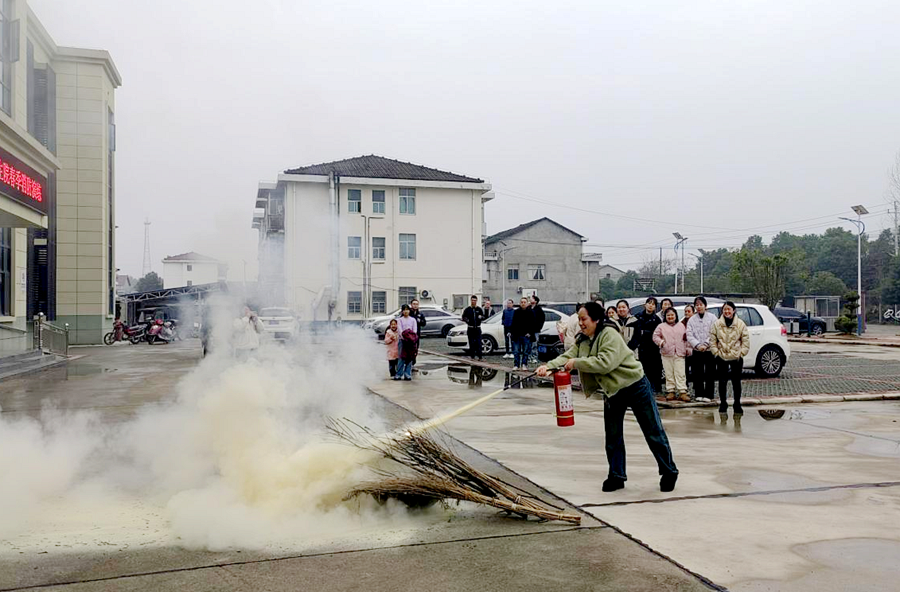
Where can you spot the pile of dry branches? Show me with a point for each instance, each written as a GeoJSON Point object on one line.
{"type": "Point", "coordinates": [424, 470]}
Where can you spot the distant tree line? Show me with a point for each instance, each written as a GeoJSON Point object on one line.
{"type": "Point", "coordinates": [790, 265]}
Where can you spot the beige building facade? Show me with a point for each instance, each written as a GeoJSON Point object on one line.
{"type": "Point", "coordinates": [57, 208]}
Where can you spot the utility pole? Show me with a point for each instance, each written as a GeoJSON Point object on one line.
{"type": "Point", "coordinates": [896, 230]}
{"type": "Point", "coordinates": [860, 211]}
{"type": "Point", "coordinates": [148, 266]}
{"type": "Point", "coordinates": [681, 240]}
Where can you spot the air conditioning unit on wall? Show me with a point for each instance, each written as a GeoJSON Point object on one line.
{"type": "Point", "coordinates": [425, 293]}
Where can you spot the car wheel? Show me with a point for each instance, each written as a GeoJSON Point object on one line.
{"type": "Point", "coordinates": [488, 345]}
{"type": "Point", "coordinates": [817, 329]}
{"type": "Point", "coordinates": [770, 362]}
{"type": "Point", "coordinates": [445, 330]}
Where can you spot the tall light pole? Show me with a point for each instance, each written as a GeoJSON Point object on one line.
{"type": "Point", "coordinates": [681, 240]}
{"type": "Point", "coordinates": [503, 278]}
{"type": "Point", "coordinates": [700, 259]}
{"type": "Point", "coordinates": [860, 211]}
{"type": "Point", "coordinates": [366, 255]}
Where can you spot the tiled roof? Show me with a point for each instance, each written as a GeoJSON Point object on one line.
{"type": "Point", "coordinates": [191, 256]}
{"type": "Point", "coordinates": [379, 167]}
{"type": "Point", "coordinates": [513, 231]}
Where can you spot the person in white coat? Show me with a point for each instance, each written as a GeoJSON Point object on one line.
{"type": "Point", "coordinates": [247, 330]}
{"type": "Point", "coordinates": [703, 364]}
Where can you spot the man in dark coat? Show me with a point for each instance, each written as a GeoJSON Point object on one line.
{"type": "Point", "coordinates": [539, 319]}
{"type": "Point", "coordinates": [473, 316]}
{"type": "Point", "coordinates": [642, 340]}
{"type": "Point", "coordinates": [417, 314]}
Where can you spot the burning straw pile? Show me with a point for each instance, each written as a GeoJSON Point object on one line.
{"type": "Point", "coordinates": [426, 472]}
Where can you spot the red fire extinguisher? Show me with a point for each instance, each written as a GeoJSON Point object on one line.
{"type": "Point", "coordinates": [565, 408]}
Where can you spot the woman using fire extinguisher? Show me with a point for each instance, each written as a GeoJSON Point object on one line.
{"type": "Point", "coordinates": [605, 363]}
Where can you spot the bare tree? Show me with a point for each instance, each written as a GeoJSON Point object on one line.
{"type": "Point", "coordinates": [651, 268]}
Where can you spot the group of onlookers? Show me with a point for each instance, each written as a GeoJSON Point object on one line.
{"type": "Point", "coordinates": [521, 327]}
{"type": "Point", "coordinates": [698, 348]}
{"type": "Point", "coordinates": [402, 341]}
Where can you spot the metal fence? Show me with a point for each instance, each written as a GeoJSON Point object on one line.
{"type": "Point", "coordinates": [49, 338]}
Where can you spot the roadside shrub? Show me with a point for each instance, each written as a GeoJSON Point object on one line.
{"type": "Point", "coordinates": [847, 323]}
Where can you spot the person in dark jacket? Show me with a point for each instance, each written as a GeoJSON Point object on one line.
{"type": "Point", "coordinates": [642, 340]}
{"type": "Point", "coordinates": [488, 310]}
{"type": "Point", "coordinates": [473, 316]}
{"type": "Point", "coordinates": [507, 327]}
{"type": "Point", "coordinates": [522, 325]}
{"type": "Point", "coordinates": [539, 319]}
{"type": "Point", "coordinates": [417, 314]}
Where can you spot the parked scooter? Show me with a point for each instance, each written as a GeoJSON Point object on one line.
{"type": "Point", "coordinates": [121, 332]}
{"type": "Point", "coordinates": [160, 331]}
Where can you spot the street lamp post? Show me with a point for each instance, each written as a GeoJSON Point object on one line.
{"type": "Point", "coordinates": [366, 255]}
{"type": "Point", "coordinates": [700, 259]}
{"type": "Point", "coordinates": [681, 240]}
{"type": "Point", "coordinates": [860, 211]}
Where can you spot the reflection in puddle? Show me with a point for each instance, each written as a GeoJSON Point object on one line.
{"type": "Point", "coordinates": [477, 376]}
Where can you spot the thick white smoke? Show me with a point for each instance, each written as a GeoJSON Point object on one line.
{"type": "Point", "coordinates": [236, 457]}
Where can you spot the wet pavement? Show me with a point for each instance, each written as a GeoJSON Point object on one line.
{"type": "Point", "coordinates": [124, 546]}
{"type": "Point", "coordinates": [793, 497]}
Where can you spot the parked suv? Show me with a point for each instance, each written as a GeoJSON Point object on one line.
{"type": "Point", "coordinates": [788, 315]}
{"type": "Point", "coordinates": [769, 347]}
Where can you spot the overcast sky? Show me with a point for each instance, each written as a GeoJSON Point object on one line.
{"type": "Point", "coordinates": [714, 119]}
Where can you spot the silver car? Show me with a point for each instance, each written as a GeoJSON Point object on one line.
{"type": "Point", "coordinates": [279, 322]}
{"type": "Point", "coordinates": [438, 322]}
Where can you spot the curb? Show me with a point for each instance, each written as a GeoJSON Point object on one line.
{"type": "Point", "coordinates": [821, 341]}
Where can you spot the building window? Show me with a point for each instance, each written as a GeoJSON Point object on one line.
{"type": "Point", "coordinates": [378, 243]}
{"type": "Point", "coordinates": [41, 99]}
{"type": "Point", "coordinates": [354, 302]}
{"type": "Point", "coordinates": [377, 201]}
{"type": "Point", "coordinates": [512, 272]}
{"type": "Point", "coordinates": [6, 276]}
{"type": "Point", "coordinates": [354, 201]}
{"type": "Point", "coordinates": [536, 272]}
{"type": "Point", "coordinates": [609, 276]}
{"type": "Point", "coordinates": [354, 246]}
{"type": "Point", "coordinates": [190, 267]}
{"type": "Point", "coordinates": [9, 53]}
{"type": "Point", "coordinates": [407, 201]}
{"type": "Point", "coordinates": [406, 294]}
{"type": "Point", "coordinates": [190, 283]}
{"type": "Point", "coordinates": [379, 302]}
{"type": "Point", "coordinates": [407, 246]}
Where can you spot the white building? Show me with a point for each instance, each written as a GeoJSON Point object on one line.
{"type": "Point", "coordinates": [355, 237]}
{"type": "Point", "coordinates": [192, 269]}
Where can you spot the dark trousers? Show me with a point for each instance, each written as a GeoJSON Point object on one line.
{"type": "Point", "coordinates": [392, 367]}
{"type": "Point", "coordinates": [639, 397]}
{"type": "Point", "coordinates": [703, 368]}
{"type": "Point", "coordinates": [474, 335]}
{"type": "Point", "coordinates": [651, 360]}
{"type": "Point", "coordinates": [730, 370]}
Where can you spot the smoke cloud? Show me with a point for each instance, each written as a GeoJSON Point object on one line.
{"type": "Point", "coordinates": [235, 457]}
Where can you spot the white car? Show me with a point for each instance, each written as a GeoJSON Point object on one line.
{"type": "Point", "coordinates": [769, 347]}
{"type": "Point", "coordinates": [279, 322]}
{"type": "Point", "coordinates": [492, 337]}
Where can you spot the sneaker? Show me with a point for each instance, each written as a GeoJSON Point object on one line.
{"type": "Point", "coordinates": [613, 484]}
{"type": "Point", "coordinates": [685, 398]}
{"type": "Point", "coordinates": [738, 410]}
{"type": "Point", "coordinates": [723, 407]}
{"type": "Point", "coordinates": [670, 396]}
{"type": "Point", "coordinates": [702, 400]}
{"type": "Point", "coordinates": [407, 378]}
{"type": "Point", "coordinates": [667, 482]}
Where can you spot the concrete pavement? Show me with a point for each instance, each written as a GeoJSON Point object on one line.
{"type": "Point", "coordinates": [787, 498]}
{"type": "Point", "coordinates": [124, 545]}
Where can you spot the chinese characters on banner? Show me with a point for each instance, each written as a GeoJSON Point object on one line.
{"type": "Point", "coordinates": [21, 182]}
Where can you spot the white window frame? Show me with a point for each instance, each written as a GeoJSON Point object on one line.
{"type": "Point", "coordinates": [354, 302]}
{"type": "Point", "coordinates": [535, 269]}
{"type": "Point", "coordinates": [405, 243]}
{"type": "Point", "coordinates": [378, 253]}
{"type": "Point", "coordinates": [354, 206]}
{"type": "Point", "coordinates": [407, 199]}
{"type": "Point", "coordinates": [379, 302]}
{"type": "Point", "coordinates": [410, 291]}
{"type": "Point", "coordinates": [378, 205]}
{"type": "Point", "coordinates": [354, 251]}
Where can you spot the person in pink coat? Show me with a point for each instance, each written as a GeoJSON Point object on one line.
{"type": "Point", "coordinates": [671, 337]}
{"type": "Point", "coordinates": [391, 341]}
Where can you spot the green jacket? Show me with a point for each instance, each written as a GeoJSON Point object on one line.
{"type": "Point", "coordinates": [605, 363]}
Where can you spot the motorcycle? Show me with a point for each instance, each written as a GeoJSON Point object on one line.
{"type": "Point", "coordinates": [161, 331]}
{"type": "Point", "coordinates": [121, 332]}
